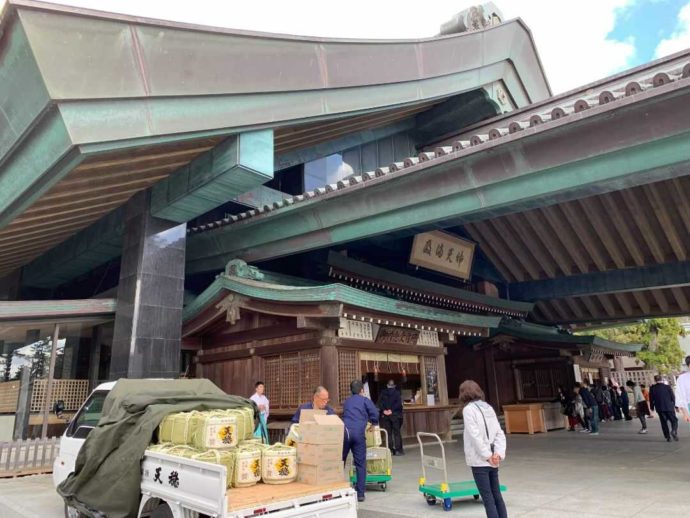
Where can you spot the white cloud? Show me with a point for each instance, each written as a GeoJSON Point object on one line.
{"type": "Point", "coordinates": [571, 37]}
{"type": "Point", "coordinates": [680, 39]}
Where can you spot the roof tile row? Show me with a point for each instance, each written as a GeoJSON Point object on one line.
{"type": "Point", "coordinates": [575, 103]}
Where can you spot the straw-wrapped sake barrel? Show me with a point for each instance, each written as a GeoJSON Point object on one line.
{"type": "Point", "coordinates": [279, 464]}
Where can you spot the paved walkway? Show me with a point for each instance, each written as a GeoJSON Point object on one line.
{"type": "Point", "coordinates": [554, 475]}
{"type": "Point", "coordinates": [563, 474]}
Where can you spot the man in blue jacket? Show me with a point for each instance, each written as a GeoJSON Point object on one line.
{"type": "Point", "coordinates": [358, 412]}
{"type": "Point", "coordinates": [319, 402]}
{"type": "Point", "coordinates": [663, 401]}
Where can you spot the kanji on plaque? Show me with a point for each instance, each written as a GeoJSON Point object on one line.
{"type": "Point", "coordinates": [444, 253]}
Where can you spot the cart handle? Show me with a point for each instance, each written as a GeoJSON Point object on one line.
{"type": "Point", "coordinates": [443, 453]}
{"type": "Point", "coordinates": [385, 433]}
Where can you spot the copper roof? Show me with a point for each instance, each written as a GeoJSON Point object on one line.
{"type": "Point", "coordinates": [656, 78]}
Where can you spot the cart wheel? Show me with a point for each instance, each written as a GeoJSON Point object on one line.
{"type": "Point", "coordinates": [447, 504]}
{"type": "Point", "coordinates": [431, 500]}
{"type": "Point", "coordinates": [476, 497]}
{"type": "Point", "coordinates": [382, 486]}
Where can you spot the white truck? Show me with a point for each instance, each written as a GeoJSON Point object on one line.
{"type": "Point", "coordinates": [184, 488]}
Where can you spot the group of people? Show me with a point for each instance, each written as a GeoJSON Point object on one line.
{"type": "Point", "coordinates": [587, 405]}
{"type": "Point", "coordinates": [358, 413]}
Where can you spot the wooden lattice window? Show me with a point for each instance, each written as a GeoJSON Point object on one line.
{"type": "Point", "coordinates": [348, 370]}
{"type": "Point", "coordinates": [310, 365]}
{"type": "Point", "coordinates": [72, 392]}
{"type": "Point", "coordinates": [291, 377]}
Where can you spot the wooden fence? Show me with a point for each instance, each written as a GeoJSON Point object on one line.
{"type": "Point", "coordinates": [28, 457]}
{"type": "Point", "coordinates": [646, 377]}
{"type": "Point", "coordinates": [9, 393]}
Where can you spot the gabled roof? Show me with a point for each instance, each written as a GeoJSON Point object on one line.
{"type": "Point", "coordinates": [548, 334]}
{"type": "Point", "coordinates": [431, 292]}
{"type": "Point", "coordinates": [338, 293]}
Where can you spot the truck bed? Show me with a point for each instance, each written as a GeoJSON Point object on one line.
{"type": "Point", "coordinates": [262, 495]}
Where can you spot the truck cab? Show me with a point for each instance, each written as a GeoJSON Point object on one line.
{"type": "Point", "coordinates": [78, 429]}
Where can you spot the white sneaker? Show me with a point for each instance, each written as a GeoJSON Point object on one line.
{"type": "Point", "coordinates": [644, 430]}
{"type": "Point", "coordinates": [594, 433]}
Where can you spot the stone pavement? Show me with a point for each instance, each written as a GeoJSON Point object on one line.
{"type": "Point", "coordinates": [563, 474]}
{"type": "Point", "coordinates": [559, 474]}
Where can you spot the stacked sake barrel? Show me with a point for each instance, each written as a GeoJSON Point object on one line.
{"type": "Point", "coordinates": [226, 437]}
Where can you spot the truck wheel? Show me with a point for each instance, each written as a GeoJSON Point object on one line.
{"type": "Point", "coordinates": [431, 500]}
{"type": "Point", "coordinates": [447, 504]}
{"type": "Point", "coordinates": [476, 497]}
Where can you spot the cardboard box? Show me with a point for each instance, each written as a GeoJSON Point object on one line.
{"type": "Point", "coordinates": [315, 427]}
{"type": "Point", "coordinates": [324, 474]}
{"type": "Point", "coordinates": [319, 454]}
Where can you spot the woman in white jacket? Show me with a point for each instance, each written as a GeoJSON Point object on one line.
{"type": "Point", "coordinates": [485, 446]}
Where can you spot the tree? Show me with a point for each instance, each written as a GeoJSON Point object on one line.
{"type": "Point", "coordinates": [659, 338]}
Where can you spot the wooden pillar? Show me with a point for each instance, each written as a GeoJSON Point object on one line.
{"type": "Point", "coordinates": [491, 379]}
{"type": "Point", "coordinates": [442, 379]}
{"type": "Point", "coordinates": [329, 371]}
{"type": "Point", "coordinates": [49, 386]}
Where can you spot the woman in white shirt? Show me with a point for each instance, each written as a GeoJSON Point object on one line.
{"type": "Point", "coordinates": [485, 447]}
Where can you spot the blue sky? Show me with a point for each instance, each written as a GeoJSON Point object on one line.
{"type": "Point", "coordinates": [647, 23]}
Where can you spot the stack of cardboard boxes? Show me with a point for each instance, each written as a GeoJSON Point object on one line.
{"type": "Point", "coordinates": [320, 448]}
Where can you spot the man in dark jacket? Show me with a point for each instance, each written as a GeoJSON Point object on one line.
{"type": "Point", "coordinates": [625, 403]}
{"type": "Point", "coordinates": [391, 408]}
{"type": "Point", "coordinates": [663, 400]}
{"type": "Point", "coordinates": [358, 412]}
{"type": "Point", "coordinates": [591, 408]}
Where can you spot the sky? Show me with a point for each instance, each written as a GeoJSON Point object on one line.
{"type": "Point", "coordinates": [578, 42]}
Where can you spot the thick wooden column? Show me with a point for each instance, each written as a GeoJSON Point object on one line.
{"type": "Point", "coordinates": [442, 379]}
{"type": "Point", "coordinates": [329, 372]}
{"type": "Point", "coordinates": [491, 380]}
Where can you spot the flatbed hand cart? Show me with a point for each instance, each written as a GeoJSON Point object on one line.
{"type": "Point", "coordinates": [380, 480]}
{"type": "Point", "coordinates": [444, 491]}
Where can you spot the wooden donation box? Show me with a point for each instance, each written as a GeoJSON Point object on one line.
{"type": "Point", "coordinates": [525, 418]}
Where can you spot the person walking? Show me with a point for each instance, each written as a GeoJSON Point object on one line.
{"type": "Point", "coordinates": [645, 393]}
{"type": "Point", "coordinates": [662, 399]}
{"type": "Point", "coordinates": [683, 392]}
{"type": "Point", "coordinates": [263, 405]}
{"type": "Point", "coordinates": [358, 412]}
{"type": "Point", "coordinates": [591, 408]}
{"type": "Point", "coordinates": [615, 402]}
{"type": "Point", "coordinates": [640, 405]}
{"type": "Point", "coordinates": [625, 403]}
{"type": "Point", "coordinates": [484, 445]}
{"type": "Point", "coordinates": [391, 408]}
{"type": "Point", "coordinates": [608, 402]}
{"type": "Point", "coordinates": [578, 410]}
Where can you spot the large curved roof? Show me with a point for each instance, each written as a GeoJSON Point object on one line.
{"type": "Point", "coordinates": [97, 106]}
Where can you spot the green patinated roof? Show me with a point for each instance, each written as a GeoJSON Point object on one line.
{"type": "Point", "coordinates": [539, 333]}
{"type": "Point", "coordinates": [388, 276]}
{"type": "Point", "coordinates": [331, 293]}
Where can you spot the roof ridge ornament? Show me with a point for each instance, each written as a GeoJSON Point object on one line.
{"type": "Point", "coordinates": [239, 268]}
{"type": "Point", "coordinates": [473, 18]}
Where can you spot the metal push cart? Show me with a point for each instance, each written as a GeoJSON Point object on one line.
{"type": "Point", "coordinates": [444, 491]}
{"type": "Point", "coordinates": [380, 480]}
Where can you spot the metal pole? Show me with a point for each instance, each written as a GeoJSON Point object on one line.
{"type": "Point", "coordinates": [49, 386]}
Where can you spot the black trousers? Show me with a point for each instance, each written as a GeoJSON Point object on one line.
{"type": "Point", "coordinates": [392, 424]}
{"type": "Point", "coordinates": [486, 479]}
{"type": "Point", "coordinates": [665, 417]}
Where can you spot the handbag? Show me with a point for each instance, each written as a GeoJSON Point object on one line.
{"type": "Point", "coordinates": [486, 428]}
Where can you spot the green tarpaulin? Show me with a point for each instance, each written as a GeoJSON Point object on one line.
{"type": "Point", "coordinates": [108, 473]}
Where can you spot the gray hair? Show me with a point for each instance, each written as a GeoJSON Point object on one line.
{"type": "Point", "coordinates": [319, 389]}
